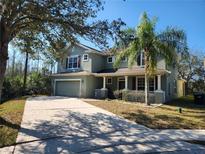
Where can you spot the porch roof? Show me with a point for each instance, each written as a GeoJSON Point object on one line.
{"type": "Point", "coordinates": [128, 71]}
{"type": "Point", "coordinates": [81, 73]}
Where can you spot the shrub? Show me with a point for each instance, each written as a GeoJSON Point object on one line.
{"type": "Point", "coordinates": [12, 87]}
{"type": "Point", "coordinates": [36, 84]}
{"type": "Point", "coordinates": [136, 96]}
{"type": "Point", "coordinates": [118, 94]}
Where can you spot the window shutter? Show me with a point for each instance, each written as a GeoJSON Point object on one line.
{"type": "Point", "coordinates": [66, 65]}
{"type": "Point", "coordinates": [138, 59]}
{"type": "Point", "coordinates": [79, 61]}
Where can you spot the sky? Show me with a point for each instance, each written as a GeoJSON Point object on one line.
{"type": "Point", "coordinates": [186, 14]}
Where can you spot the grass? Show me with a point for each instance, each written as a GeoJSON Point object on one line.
{"type": "Point", "coordinates": [162, 117]}
{"type": "Point", "coordinates": [10, 119]}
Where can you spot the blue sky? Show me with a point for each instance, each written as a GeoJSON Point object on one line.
{"type": "Point", "coordinates": [186, 14]}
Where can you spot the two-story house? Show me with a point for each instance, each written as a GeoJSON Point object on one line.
{"type": "Point", "coordinates": [85, 70]}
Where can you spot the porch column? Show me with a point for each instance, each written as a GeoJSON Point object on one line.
{"type": "Point", "coordinates": [159, 82]}
{"type": "Point", "coordinates": [104, 82]}
{"type": "Point", "coordinates": [126, 82]}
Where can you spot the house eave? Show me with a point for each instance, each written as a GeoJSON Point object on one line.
{"type": "Point", "coordinates": [131, 73]}
{"type": "Point", "coordinates": [84, 73]}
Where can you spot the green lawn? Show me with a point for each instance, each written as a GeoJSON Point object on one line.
{"type": "Point", "coordinates": [10, 119]}
{"type": "Point", "coordinates": [161, 117]}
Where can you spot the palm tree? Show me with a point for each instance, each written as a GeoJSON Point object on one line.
{"type": "Point", "coordinates": [165, 44]}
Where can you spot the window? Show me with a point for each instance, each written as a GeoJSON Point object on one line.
{"type": "Point", "coordinates": [85, 57]}
{"type": "Point", "coordinates": [151, 84]}
{"type": "Point", "coordinates": [169, 89]}
{"type": "Point", "coordinates": [140, 84]}
{"type": "Point", "coordinates": [140, 59]}
{"type": "Point", "coordinates": [110, 59]}
{"type": "Point", "coordinates": [124, 59]}
{"type": "Point", "coordinates": [74, 62]}
{"type": "Point", "coordinates": [109, 80]}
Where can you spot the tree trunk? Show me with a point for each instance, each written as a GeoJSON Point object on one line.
{"type": "Point", "coordinates": [25, 73]}
{"type": "Point", "coordinates": [3, 53]}
{"type": "Point", "coordinates": [3, 62]}
{"type": "Point", "coordinates": [146, 79]}
{"type": "Point", "coordinates": [146, 89]}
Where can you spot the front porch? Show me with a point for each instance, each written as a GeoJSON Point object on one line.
{"type": "Point", "coordinates": [132, 87]}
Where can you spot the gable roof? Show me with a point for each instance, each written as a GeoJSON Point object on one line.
{"type": "Point", "coordinates": [88, 49]}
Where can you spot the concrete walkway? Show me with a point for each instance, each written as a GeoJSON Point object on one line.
{"type": "Point", "coordinates": [69, 125]}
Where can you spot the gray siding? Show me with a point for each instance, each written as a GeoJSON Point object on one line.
{"type": "Point", "coordinates": [74, 51]}
{"type": "Point", "coordinates": [161, 64]}
{"type": "Point", "coordinates": [97, 62]}
{"type": "Point", "coordinates": [92, 83]}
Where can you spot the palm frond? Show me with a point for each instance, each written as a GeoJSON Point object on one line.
{"type": "Point", "coordinates": [130, 53]}
{"type": "Point", "coordinates": [166, 51]}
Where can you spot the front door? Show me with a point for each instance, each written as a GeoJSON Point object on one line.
{"type": "Point", "coordinates": [121, 85]}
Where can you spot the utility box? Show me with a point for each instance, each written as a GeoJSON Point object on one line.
{"type": "Point", "coordinates": [199, 98]}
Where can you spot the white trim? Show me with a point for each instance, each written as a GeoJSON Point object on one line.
{"type": "Point", "coordinates": [112, 59]}
{"type": "Point", "coordinates": [137, 77]}
{"type": "Point", "coordinates": [159, 86]}
{"type": "Point", "coordinates": [107, 80]}
{"type": "Point", "coordinates": [89, 49]}
{"type": "Point", "coordinates": [125, 60]}
{"type": "Point", "coordinates": [126, 82]}
{"type": "Point", "coordinates": [72, 68]}
{"type": "Point", "coordinates": [104, 82]}
{"type": "Point", "coordinates": [141, 59]}
{"type": "Point", "coordinates": [136, 83]}
{"type": "Point", "coordinates": [118, 80]}
{"type": "Point", "coordinates": [87, 57]}
{"type": "Point", "coordinates": [57, 80]}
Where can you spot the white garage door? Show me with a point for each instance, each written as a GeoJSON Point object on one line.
{"type": "Point", "coordinates": [67, 88]}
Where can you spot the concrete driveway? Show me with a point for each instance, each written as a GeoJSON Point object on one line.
{"type": "Point", "coordinates": [69, 125]}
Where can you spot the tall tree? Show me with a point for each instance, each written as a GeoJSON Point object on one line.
{"type": "Point", "coordinates": [125, 37]}
{"type": "Point", "coordinates": [190, 68]}
{"type": "Point", "coordinates": [52, 20]}
{"type": "Point", "coordinates": [153, 44]}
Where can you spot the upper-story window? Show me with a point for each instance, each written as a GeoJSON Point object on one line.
{"type": "Point", "coordinates": [85, 57]}
{"type": "Point", "coordinates": [73, 62]}
{"type": "Point", "coordinates": [141, 59]}
{"type": "Point", "coordinates": [110, 59]}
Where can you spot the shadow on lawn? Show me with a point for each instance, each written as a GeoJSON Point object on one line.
{"type": "Point", "coordinates": [158, 121]}
{"type": "Point", "coordinates": [186, 102]}
{"type": "Point", "coordinates": [8, 132]}
{"type": "Point", "coordinates": [7, 123]}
